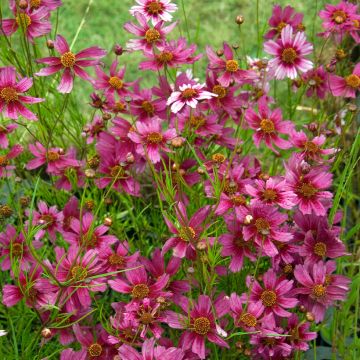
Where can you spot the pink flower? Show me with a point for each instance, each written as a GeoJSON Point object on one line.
{"type": "Point", "coordinates": [4, 131]}
{"type": "Point", "coordinates": [346, 86]}
{"type": "Point", "coordinates": [50, 5]}
{"type": "Point", "coordinates": [229, 68]}
{"type": "Point", "coordinates": [274, 297]}
{"type": "Point", "coordinates": [34, 23]}
{"type": "Point", "coordinates": [55, 158]}
{"type": "Point", "coordinates": [188, 95]}
{"type": "Point", "coordinates": [289, 52]}
{"type": "Point", "coordinates": [200, 324]}
{"type": "Point", "coordinates": [150, 139]}
{"type": "Point", "coordinates": [151, 352]}
{"type": "Point", "coordinates": [268, 125]}
{"type": "Point", "coordinates": [154, 10]}
{"type": "Point", "coordinates": [5, 167]}
{"type": "Point", "coordinates": [299, 333]}
{"type": "Point", "coordinates": [318, 82]}
{"type": "Point", "coordinates": [282, 17]}
{"type": "Point", "coordinates": [321, 288]}
{"type": "Point", "coordinates": [150, 36]}
{"type": "Point", "coordinates": [11, 98]}
{"type": "Point", "coordinates": [71, 63]}
{"type": "Point", "coordinates": [262, 224]}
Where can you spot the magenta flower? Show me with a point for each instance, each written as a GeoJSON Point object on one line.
{"type": "Point", "coordinates": [4, 131]}
{"type": "Point", "coordinates": [112, 83]}
{"type": "Point", "coordinates": [268, 125]}
{"type": "Point", "coordinates": [262, 224]}
{"type": "Point", "coordinates": [151, 352]}
{"type": "Point", "coordinates": [289, 52]}
{"type": "Point", "coordinates": [34, 23]}
{"type": "Point", "coordinates": [5, 167]}
{"type": "Point", "coordinates": [71, 63]}
{"type": "Point", "coordinates": [282, 17]}
{"type": "Point", "coordinates": [321, 288]}
{"type": "Point", "coordinates": [274, 297]}
{"type": "Point", "coordinates": [55, 158]}
{"type": "Point", "coordinates": [317, 81]}
{"type": "Point", "coordinates": [11, 98]}
{"type": "Point", "coordinates": [150, 139]}
{"type": "Point", "coordinates": [200, 323]}
{"type": "Point", "coordinates": [187, 233]}
{"type": "Point", "coordinates": [271, 192]}
{"type": "Point", "coordinates": [299, 333]}
{"type": "Point", "coordinates": [139, 286]}
{"type": "Point", "coordinates": [309, 186]}
{"type": "Point", "coordinates": [85, 233]}
{"type": "Point", "coordinates": [188, 95]}
{"type": "Point", "coordinates": [229, 68]}
{"type": "Point", "coordinates": [154, 10]}
{"type": "Point", "coordinates": [149, 36]}
{"type": "Point", "coordinates": [347, 86]}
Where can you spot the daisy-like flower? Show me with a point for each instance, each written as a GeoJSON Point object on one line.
{"type": "Point", "coordinates": [268, 125]}
{"type": "Point", "coordinates": [154, 10]}
{"type": "Point", "coordinates": [274, 297]}
{"type": "Point", "coordinates": [71, 63]}
{"type": "Point", "coordinates": [5, 167]}
{"type": "Point", "coordinates": [320, 286]}
{"type": "Point", "coordinates": [317, 81]}
{"type": "Point", "coordinates": [300, 336]}
{"type": "Point", "coordinates": [228, 67]}
{"type": "Point", "coordinates": [200, 324]}
{"type": "Point", "coordinates": [149, 36]}
{"type": "Point", "coordinates": [11, 98]}
{"type": "Point", "coordinates": [34, 23]}
{"type": "Point", "coordinates": [282, 17]}
{"type": "Point", "coordinates": [262, 224]}
{"type": "Point", "coordinates": [346, 86]}
{"type": "Point", "coordinates": [189, 95]}
{"type": "Point", "coordinates": [151, 139]}
{"type": "Point", "coordinates": [289, 52]}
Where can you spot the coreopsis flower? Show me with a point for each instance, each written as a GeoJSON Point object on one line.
{"type": "Point", "coordinates": [289, 54]}
{"type": "Point", "coordinates": [150, 139]}
{"type": "Point", "coordinates": [149, 36]}
{"type": "Point", "coordinates": [55, 158]}
{"type": "Point", "coordinates": [189, 95]}
{"type": "Point", "coordinates": [274, 297]}
{"type": "Point", "coordinates": [188, 233]}
{"type": "Point", "coordinates": [5, 160]}
{"type": "Point", "coordinates": [309, 186]}
{"type": "Point", "coordinates": [11, 98]}
{"type": "Point", "coordinates": [262, 224]}
{"type": "Point", "coordinates": [320, 287]}
{"type": "Point", "coordinates": [170, 54]}
{"type": "Point", "coordinates": [71, 63]}
{"type": "Point", "coordinates": [317, 81]}
{"type": "Point", "coordinates": [228, 67]}
{"type": "Point", "coordinates": [85, 234]}
{"type": "Point", "coordinates": [151, 352]}
{"type": "Point", "coordinates": [154, 10]}
{"type": "Point", "coordinates": [280, 18]}
{"type": "Point", "coordinates": [50, 5]}
{"type": "Point", "coordinates": [340, 19]}
{"type": "Point", "coordinates": [272, 192]}
{"type": "Point", "coordinates": [138, 284]}
{"type": "Point", "coordinates": [300, 336]}
{"type": "Point", "coordinates": [346, 86]}
{"type": "Point", "coordinates": [268, 125]}
{"type": "Point", "coordinates": [33, 23]}
{"type": "Point", "coordinates": [112, 83]}
{"type": "Point", "coordinates": [200, 323]}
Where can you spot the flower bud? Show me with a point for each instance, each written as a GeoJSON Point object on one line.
{"type": "Point", "coordinates": [108, 201]}
{"type": "Point", "coordinates": [247, 352]}
{"type": "Point", "coordinates": [248, 219]}
{"type": "Point", "coordinates": [50, 44]}
{"type": "Point", "coordinates": [177, 142]}
{"type": "Point", "coordinates": [106, 116]}
{"type": "Point", "coordinates": [239, 19]}
{"type": "Point", "coordinates": [219, 52]}
{"type": "Point", "coordinates": [340, 54]}
{"type": "Point", "coordinates": [352, 107]}
{"type": "Point", "coordinates": [235, 46]}
{"type": "Point", "coordinates": [23, 4]}
{"type": "Point", "coordinates": [89, 204]}
{"type": "Point", "coordinates": [309, 316]}
{"type": "Point", "coordinates": [118, 50]}
{"type": "Point", "coordinates": [302, 308]}
{"type": "Point", "coordinates": [130, 158]}
{"type": "Point", "coordinates": [5, 211]}
{"type": "Point", "coordinates": [90, 173]}
{"type": "Point", "coordinates": [200, 171]}
{"type": "Point", "coordinates": [46, 333]}
{"type": "Point", "coordinates": [313, 127]}
{"type": "Point", "coordinates": [108, 221]}
{"type": "Point", "coordinates": [190, 270]}
{"type": "Point", "coordinates": [24, 201]}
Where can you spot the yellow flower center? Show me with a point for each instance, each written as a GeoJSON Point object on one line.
{"type": "Point", "coordinates": [78, 273]}
{"type": "Point", "coordinates": [188, 93]}
{"type": "Point", "coordinates": [248, 320]}
{"type": "Point", "coordinates": [140, 291]}
{"type": "Point", "coordinates": [68, 59]}
{"type": "Point", "coordinates": [154, 7]}
{"type": "Point", "coordinates": [35, 4]}
{"type": "Point", "coordinates": [220, 91]}
{"type": "Point", "coordinates": [197, 121]}
{"type": "Point", "coordinates": [319, 291]}
{"type": "Point", "coordinates": [238, 200]}
{"type": "Point", "coordinates": [117, 171]}
{"type": "Point", "coordinates": [202, 325]}
{"type": "Point", "coordinates": [16, 249]}
{"type": "Point", "coordinates": [23, 20]}
{"type": "Point", "coordinates": [116, 83]}
{"type": "Point", "coordinates": [154, 138]}
{"type": "Point", "coordinates": [262, 226]}
{"type": "Point", "coordinates": [152, 35]}
{"type": "Point", "coordinates": [289, 55]}
{"type": "Point", "coordinates": [311, 147]}
{"type": "Point", "coordinates": [148, 107]}
{"type": "Point", "coordinates": [320, 249]}
{"type": "Point", "coordinates": [4, 161]}
{"type": "Point", "coordinates": [52, 155]}
{"type": "Point", "coordinates": [187, 233]}
{"type": "Point", "coordinates": [353, 81]}
{"type": "Point", "coordinates": [267, 126]}
{"type": "Point", "coordinates": [230, 187]}
{"type": "Point", "coordinates": [9, 94]}
{"type": "Point", "coordinates": [269, 195]}
{"type": "Point", "coordinates": [218, 158]}
{"type": "Point", "coordinates": [268, 298]}
{"type": "Point", "coordinates": [146, 318]}
{"type": "Point", "coordinates": [307, 190]}
{"type": "Point", "coordinates": [165, 57]}
{"type": "Point", "coordinates": [339, 16]}
{"type": "Point", "coordinates": [232, 66]}
{"type": "Point", "coordinates": [95, 350]}
{"type": "Point", "coordinates": [288, 269]}
{"type": "Point", "coordinates": [116, 260]}
{"type": "Point", "coordinates": [281, 26]}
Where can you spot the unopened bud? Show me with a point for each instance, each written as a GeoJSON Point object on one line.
{"type": "Point", "coordinates": [201, 246]}
{"type": "Point", "coordinates": [23, 4]}
{"type": "Point", "coordinates": [90, 173]}
{"type": "Point", "coordinates": [130, 158]}
{"type": "Point", "coordinates": [247, 352]}
{"type": "Point", "coordinates": [219, 52]}
{"type": "Point", "coordinates": [340, 54]}
{"type": "Point", "coordinates": [190, 270]}
{"type": "Point", "coordinates": [200, 171]}
{"type": "Point", "coordinates": [305, 167]}
{"type": "Point", "coordinates": [330, 67]}
{"type": "Point", "coordinates": [5, 211]}
{"type": "Point", "coordinates": [46, 333]}
{"type": "Point", "coordinates": [248, 219]}
{"type": "Point", "coordinates": [313, 127]}
{"type": "Point", "coordinates": [235, 46]}
{"type": "Point", "coordinates": [61, 151]}
{"type": "Point", "coordinates": [118, 50]}
{"type": "Point", "coordinates": [264, 177]}
{"type": "Point", "coordinates": [309, 316]}
{"type": "Point", "coordinates": [89, 204]}
{"type": "Point", "coordinates": [108, 221]}
{"type": "Point", "coordinates": [302, 308]}
{"type": "Point", "coordinates": [50, 44]}
{"type": "Point", "coordinates": [108, 201]}
{"type": "Point", "coordinates": [352, 107]}
{"type": "Point", "coordinates": [106, 116]}
{"type": "Point", "coordinates": [239, 19]}
{"type": "Point", "coordinates": [177, 142]}
{"type": "Point", "coordinates": [24, 201]}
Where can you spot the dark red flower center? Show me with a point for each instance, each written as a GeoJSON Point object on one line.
{"type": "Point", "coordinates": [154, 7]}
{"type": "Point", "coordinates": [78, 273]}
{"type": "Point", "coordinates": [353, 81]}
{"type": "Point", "coordinates": [148, 107]}
{"type": "Point", "coordinates": [267, 126]}
{"type": "Point", "coordinates": [232, 66]}
{"type": "Point", "coordinates": [268, 298]}
{"type": "Point", "coordinates": [16, 249]}
{"type": "Point", "coordinates": [154, 138]}
{"type": "Point", "coordinates": [47, 219]}
{"type": "Point", "coordinates": [320, 249]}
{"type": "Point", "coordinates": [339, 16]}
{"type": "Point", "coordinates": [319, 291]}
{"type": "Point", "coordinates": [140, 291]}
{"type": "Point", "coordinates": [202, 325]}
{"type": "Point", "coordinates": [289, 55]}
{"type": "Point", "coordinates": [248, 319]}
{"type": "Point", "coordinates": [9, 94]}
{"type": "Point", "coordinates": [116, 83]}
{"type": "Point", "coordinates": [95, 350]}
{"type": "Point", "coordinates": [152, 35]}
{"type": "Point", "coordinates": [220, 91]}
{"type": "Point", "coordinates": [68, 59]}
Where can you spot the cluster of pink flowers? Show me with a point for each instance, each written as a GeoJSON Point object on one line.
{"type": "Point", "coordinates": [224, 208]}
